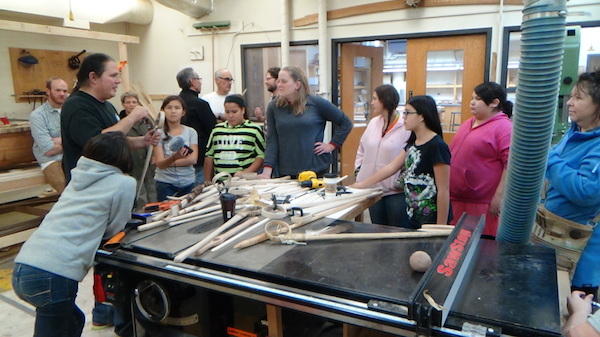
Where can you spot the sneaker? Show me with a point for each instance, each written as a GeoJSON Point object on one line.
{"type": "Point", "coordinates": [96, 326]}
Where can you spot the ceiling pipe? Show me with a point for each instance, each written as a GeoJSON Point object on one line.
{"type": "Point", "coordinates": [106, 11]}
{"type": "Point", "coordinates": [323, 51]}
{"type": "Point", "coordinates": [285, 33]}
{"type": "Point", "coordinates": [194, 8]}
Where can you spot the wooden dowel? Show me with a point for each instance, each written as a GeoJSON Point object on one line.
{"type": "Point", "coordinates": [151, 225]}
{"type": "Point", "coordinates": [300, 237]}
{"type": "Point", "coordinates": [194, 218]}
{"type": "Point", "coordinates": [219, 239]}
{"type": "Point", "coordinates": [190, 250]}
{"type": "Point", "coordinates": [250, 229]}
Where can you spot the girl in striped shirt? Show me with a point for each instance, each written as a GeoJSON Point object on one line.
{"type": "Point", "coordinates": [235, 146]}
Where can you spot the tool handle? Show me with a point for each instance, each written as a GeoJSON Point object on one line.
{"type": "Point", "coordinates": [115, 242]}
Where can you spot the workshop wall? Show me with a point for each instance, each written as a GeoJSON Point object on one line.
{"type": "Point", "coordinates": [259, 22]}
{"type": "Point", "coordinates": [8, 106]}
{"type": "Point", "coordinates": [166, 44]}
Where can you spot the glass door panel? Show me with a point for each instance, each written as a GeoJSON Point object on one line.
{"type": "Point", "coordinates": [362, 90]}
{"type": "Point", "coordinates": [444, 81]}
{"type": "Point", "coordinates": [361, 71]}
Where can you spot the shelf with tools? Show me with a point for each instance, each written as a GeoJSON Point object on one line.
{"type": "Point", "coordinates": [362, 76]}
{"type": "Point", "coordinates": [445, 86]}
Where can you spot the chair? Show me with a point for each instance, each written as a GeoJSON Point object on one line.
{"type": "Point", "coordinates": [453, 123]}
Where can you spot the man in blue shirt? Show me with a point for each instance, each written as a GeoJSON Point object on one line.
{"type": "Point", "coordinates": [45, 129]}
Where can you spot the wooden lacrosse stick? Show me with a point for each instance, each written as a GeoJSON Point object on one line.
{"type": "Point", "coordinates": [160, 122]}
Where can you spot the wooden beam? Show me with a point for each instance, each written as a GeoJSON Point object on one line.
{"type": "Point", "coordinates": [392, 5]}
{"type": "Point", "coordinates": [125, 78]}
{"type": "Point", "coordinates": [13, 239]}
{"type": "Point", "coordinates": [158, 97]}
{"type": "Point", "coordinates": [69, 32]}
{"type": "Point", "coordinates": [275, 321]}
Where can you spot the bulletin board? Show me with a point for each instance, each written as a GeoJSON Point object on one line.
{"type": "Point", "coordinates": [52, 63]}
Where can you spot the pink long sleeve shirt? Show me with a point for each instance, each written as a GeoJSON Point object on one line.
{"type": "Point", "coordinates": [375, 151]}
{"type": "Point", "coordinates": [479, 155]}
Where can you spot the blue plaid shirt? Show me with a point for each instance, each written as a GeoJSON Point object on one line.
{"type": "Point", "coordinates": [44, 123]}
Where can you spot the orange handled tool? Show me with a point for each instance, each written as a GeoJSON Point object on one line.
{"type": "Point", "coordinates": [114, 243]}
{"type": "Point", "coordinates": [160, 206]}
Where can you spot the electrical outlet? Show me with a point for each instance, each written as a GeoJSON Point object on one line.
{"type": "Point", "coordinates": [197, 54]}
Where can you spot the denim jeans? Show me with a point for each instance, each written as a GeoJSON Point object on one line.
{"type": "Point", "coordinates": [54, 299]}
{"type": "Point", "coordinates": [163, 190]}
{"type": "Point", "coordinates": [391, 211]}
{"type": "Point", "coordinates": [103, 314]}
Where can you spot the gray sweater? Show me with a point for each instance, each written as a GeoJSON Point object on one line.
{"type": "Point", "coordinates": [96, 204]}
{"type": "Point", "coordinates": [291, 139]}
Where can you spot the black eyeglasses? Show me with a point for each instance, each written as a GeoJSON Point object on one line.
{"type": "Point", "coordinates": [406, 113]}
{"type": "Point", "coordinates": [228, 79]}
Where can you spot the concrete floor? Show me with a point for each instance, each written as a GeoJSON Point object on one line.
{"type": "Point", "coordinates": [18, 317]}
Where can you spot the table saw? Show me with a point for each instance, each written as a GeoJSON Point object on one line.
{"type": "Point", "coordinates": [483, 287]}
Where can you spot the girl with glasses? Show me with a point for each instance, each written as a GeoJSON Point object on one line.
{"type": "Point", "coordinates": [427, 160]}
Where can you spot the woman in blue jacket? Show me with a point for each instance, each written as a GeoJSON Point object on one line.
{"type": "Point", "coordinates": [573, 174]}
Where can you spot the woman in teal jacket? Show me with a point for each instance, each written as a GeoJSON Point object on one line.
{"type": "Point", "coordinates": [573, 174]}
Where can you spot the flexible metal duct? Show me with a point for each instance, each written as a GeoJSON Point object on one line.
{"type": "Point", "coordinates": [542, 47]}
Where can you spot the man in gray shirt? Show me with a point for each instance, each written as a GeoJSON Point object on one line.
{"type": "Point", "coordinates": [45, 129]}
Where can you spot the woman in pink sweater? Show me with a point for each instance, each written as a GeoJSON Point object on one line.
{"type": "Point", "coordinates": [383, 140]}
{"type": "Point", "coordinates": [480, 155]}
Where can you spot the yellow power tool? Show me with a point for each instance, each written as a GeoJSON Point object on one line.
{"type": "Point", "coordinates": [309, 179]}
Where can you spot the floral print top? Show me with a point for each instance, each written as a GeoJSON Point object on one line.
{"type": "Point", "coordinates": [419, 183]}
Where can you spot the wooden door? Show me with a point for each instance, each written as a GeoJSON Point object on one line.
{"type": "Point", "coordinates": [451, 84]}
{"type": "Point", "coordinates": [361, 71]}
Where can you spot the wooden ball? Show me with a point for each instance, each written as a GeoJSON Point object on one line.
{"type": "Point", "coordinates": [419, 261]}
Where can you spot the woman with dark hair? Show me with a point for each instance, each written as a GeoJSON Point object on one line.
{"type": "Point", "coordinates": [176, 153]}
{"type": "Point", "coordinates": [573, 174]}
{"type": "Point", "coordinates": [87, 112]}
{"type": "Point", "coordinates": [427, 160]}
{"type": "Point", "coordinates": [383, 140]}
{"type": "Point", "coordinates": [296, 123]}
{"type": "Point", "coordinates": [61, 251]}
{"type": "Point", "coordinates": [480, 156]}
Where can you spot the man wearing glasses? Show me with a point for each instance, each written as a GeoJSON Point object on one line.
{"type": "Point", "coordinates": [216, 99]}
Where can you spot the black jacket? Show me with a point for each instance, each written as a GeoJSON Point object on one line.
{"type": "Point", "coordinates": [199, 116]}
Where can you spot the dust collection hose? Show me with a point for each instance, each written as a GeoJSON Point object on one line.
{"type": "Point", "coordinates": [542, 47]}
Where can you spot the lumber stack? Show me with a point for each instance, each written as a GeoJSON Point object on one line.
{"type": "Point", "coordinates": [15, 145]}
{"type": "Point", "coordinates": [22, 183]}
{"type": "Point", "coordinates": [19, 220]}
